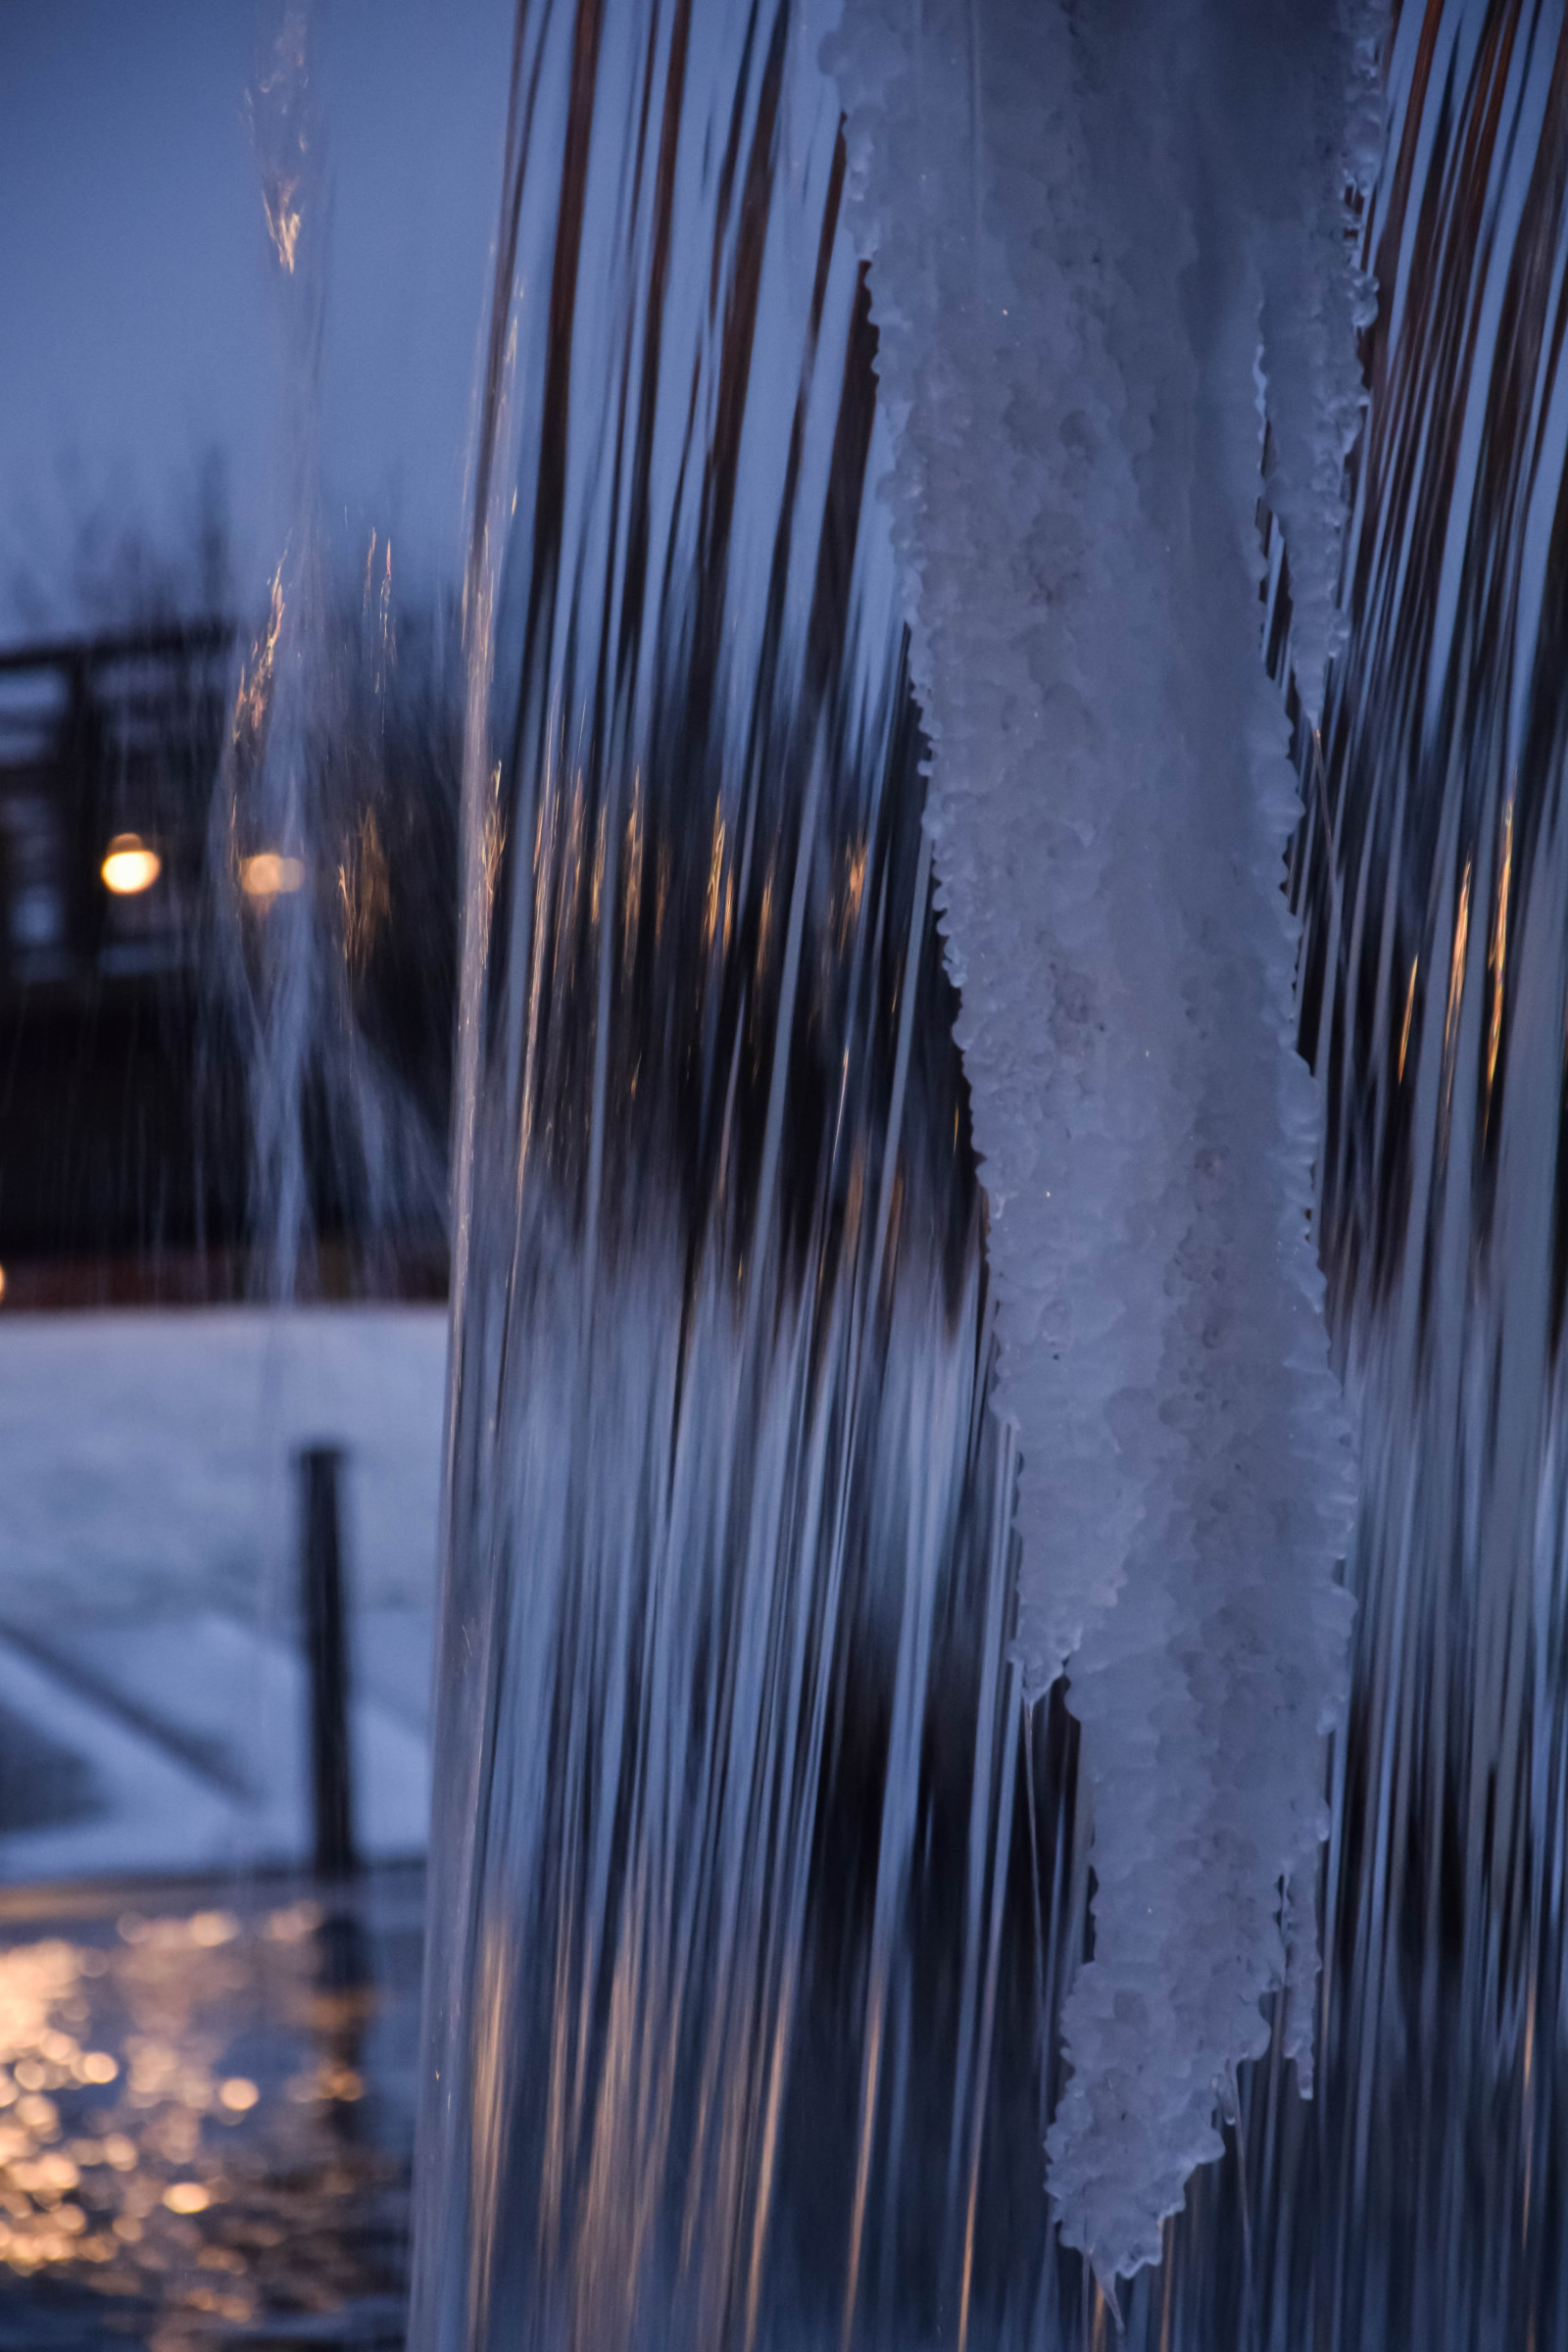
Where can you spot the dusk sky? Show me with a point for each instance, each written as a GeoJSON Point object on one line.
{"type": "Point", "coordinates": [140, 322]}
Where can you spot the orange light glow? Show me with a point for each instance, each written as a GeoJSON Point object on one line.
{"type": "Point", "coordinates": [129, 866]}
{"type": "Point", "coordinates": [267, 876]}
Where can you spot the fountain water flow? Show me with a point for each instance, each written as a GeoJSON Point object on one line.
{"type": "Point", "coordinates": [729, 1742]}
{"type": "Point", "coordinates": [1432, 873]}
{"type": "Point", "coordinates": [304, 812]}
{"type": "Point", "coordinates": [781, 1910]}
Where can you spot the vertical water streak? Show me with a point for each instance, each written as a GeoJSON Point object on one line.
{"type": "Point", "coordinates": [751, 1956]}
{"type": "Point", "coordinates": [1434, 984]}
{"type": "Point", "coordinates": [717, 2051]}
{"type": "Point", "coordinates": [318, 828]}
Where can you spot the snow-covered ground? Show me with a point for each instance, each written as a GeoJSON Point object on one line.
{"type": "Point", "coordinates": [152, 1712]}
{"type": "Point", "coordinates": [145, 1457]}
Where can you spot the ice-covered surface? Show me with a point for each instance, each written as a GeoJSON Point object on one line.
{"type": "Point", "coordinates": [1084, 225]}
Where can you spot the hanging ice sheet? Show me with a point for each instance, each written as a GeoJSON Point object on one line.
{"type": "Point", "coordinates": [1100, 241]}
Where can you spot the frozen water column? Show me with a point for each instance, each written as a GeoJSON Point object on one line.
{"type": "Point", "coordinates": [1101, 238]}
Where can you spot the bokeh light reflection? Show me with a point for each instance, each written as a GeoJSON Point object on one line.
{"type": "Point", "coordinates": [200, 2119]}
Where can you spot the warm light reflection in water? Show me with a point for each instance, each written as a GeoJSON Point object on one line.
{"type": "Point", "coordinates": [177, 2117]}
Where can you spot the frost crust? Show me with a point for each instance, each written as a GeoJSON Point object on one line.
{"type": "Point", "coordinates": [1092, 234]}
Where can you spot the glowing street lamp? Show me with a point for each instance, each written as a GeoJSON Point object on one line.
{"type": "Point", "coordinates": [129, 865]}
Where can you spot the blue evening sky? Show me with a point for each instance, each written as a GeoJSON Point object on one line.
{"type": "Point", "coordinates": [137, 314]}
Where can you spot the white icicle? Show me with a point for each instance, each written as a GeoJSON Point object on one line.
{"type": "Point", "coordinates": [1084, 224]}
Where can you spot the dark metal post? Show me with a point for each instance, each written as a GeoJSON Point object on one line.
{"type": "Point", "coordinates": [326, 1659]}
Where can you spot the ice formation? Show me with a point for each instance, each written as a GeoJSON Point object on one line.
{"type": "Point", "coordinates": [1101, 240]}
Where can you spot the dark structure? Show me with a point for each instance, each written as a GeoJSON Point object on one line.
{"type": "Point", "coordinates": [326, 1629]}
{"type": "Point", "coordinates": [125, 1165]}
{"type": "Point", "coordinates": [100, 742]}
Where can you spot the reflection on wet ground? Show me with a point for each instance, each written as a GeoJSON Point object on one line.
{"type": "Point", "coordinates": [206, 2114]}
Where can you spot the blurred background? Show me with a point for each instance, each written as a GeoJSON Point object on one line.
{"type": "Point", "coordinates": [233, 459]}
